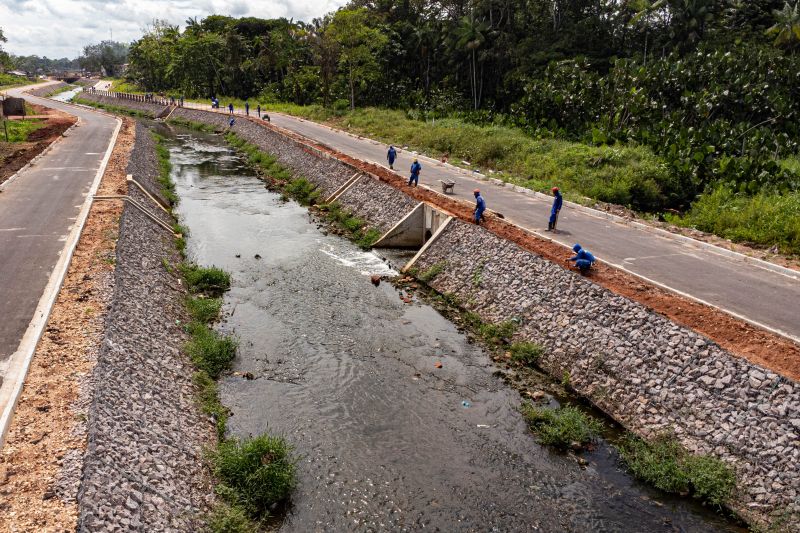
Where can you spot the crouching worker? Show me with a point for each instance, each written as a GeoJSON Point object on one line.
{"type": "Point", "coordinates": [583, 259]}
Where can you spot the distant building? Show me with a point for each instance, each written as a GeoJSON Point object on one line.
{"type": "Point", "coordinates": [18, 73]}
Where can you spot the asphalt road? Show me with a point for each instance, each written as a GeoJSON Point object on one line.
{"type": "Point", "coordinates": [37, 212]}
{"type": "Point", "coordinates": [742, 288]}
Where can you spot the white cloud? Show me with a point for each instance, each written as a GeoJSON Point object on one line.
{"type": "Point", "coordinates": [60, 28]}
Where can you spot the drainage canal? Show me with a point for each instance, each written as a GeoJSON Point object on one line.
{"type": "Point", "coordinates": [346, 372]}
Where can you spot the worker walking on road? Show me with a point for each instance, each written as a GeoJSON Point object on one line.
{"type": "Point", "coordinates": [391, 155]}
{"type": "Point", "coordinates": [583, 259]}
{"type": "Point", "coordinates": [480, 206]}
{"type": "Point", "coordinates": [258, 110]}
{"type": "Point", "coordinates": [555, 210]}
{"type": "Point", "coordinates": [247, 108]}
{"type": "Point", "coordinates": [230, 108]}
{"type": "Point", "coordinates": [416, 168]}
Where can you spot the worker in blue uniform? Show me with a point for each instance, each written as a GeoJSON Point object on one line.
{"type": "Point", "coordinates": [391, 155]}
{"type": "Point", "coordinates": [480, 206]}
{"type": "Point", "coordinates": [583, 259]}
{"type": "Point", "coordinates": [415, 170]}
{"type": "Point", "coordinates": [555, 210]}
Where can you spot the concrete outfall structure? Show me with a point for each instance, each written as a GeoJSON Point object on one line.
{"type": "Point", "coordinates": [146, 435]}
{"type": "Point", "coordinates": [650, 374]}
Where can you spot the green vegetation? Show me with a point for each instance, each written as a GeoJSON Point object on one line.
{"type": "Point", "coordinates": [356, 227]}
{"type": "Point", "coordinates": [231, 519]}
{"type": "Point", "coordinates": [430, 274]}
{"type": "Point", "coordinates": [193, 125]}
{"type": "Point", "coordinates": [665, 464]}
{"type": "Point", "coordinates": [164, 169]}
{"type": "Point", "coordinates": [209, 280]}
{"type": "Point", "coordinates": [8, 81]}
{"type": "Point", "coordinates": [61, 90]}
{"type": "Point", "coordinates": [210, 351]}
{"type": "Point", "coordinates": [526, 353]}
{"type": "Point", "coordinates": [119, 85]}
{"type": "Point", "coordinates": [763, 219]}
{"type": "Point", "coordinates": [208, 398]}
{"type": "Point", "coordinates": [113, 108]}
{"type": "Point", "coordinates": [204, 310]}
{"type": "Point", "coordinates": [254, 473]}
{"type": "Point", "coordinates": [19, 130]}
{"type": "Point", "coordinates": [562, 427]}
{"type": "Point", "coordinates": [493, 334]}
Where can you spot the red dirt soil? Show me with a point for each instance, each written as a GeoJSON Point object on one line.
{"type": "Point", "coordinates": [738, 337]}
{"type": "Point", "coordinates": [14, 156]}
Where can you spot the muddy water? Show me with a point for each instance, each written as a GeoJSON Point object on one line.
{"type": "Point", "coordinates": [347, 373]}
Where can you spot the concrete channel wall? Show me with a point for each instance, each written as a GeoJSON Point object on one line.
{"type": "Point", "coordinates": [146, 435]}
{"type": "Point", "coordinates": [47, 89]}
{"type": "Point", "coordinates": [647, 372]}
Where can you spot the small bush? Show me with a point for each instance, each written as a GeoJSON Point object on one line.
{"type": "Point", "coordinates": [497, 333]}
{"type": "Point", "coordinates": [303, 191]}
{"type": "Point", "coordinates": [231, 519]}
{"type": "Point", "coordinates": [365, 239]}
{"type": "Point", "coordinates": [204, 310]}
{"type": "Point", "coordinates": [255, 473]}
{"type": "Point", "coordinates": [207, 280]}
{"type": "Point", "coordinates": [210, 351]}
{"type": "Point", "coordinates": [563, 426]}
{"type": "Point", "coordinates": [668, 466]}
{"type": "Point", "coordinates": [526, 353]}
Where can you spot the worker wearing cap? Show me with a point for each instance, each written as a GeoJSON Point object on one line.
{"type": "Point", "coordinates": [557, 202]}
{"type": "Point", "coordinates": [480, 206]}
{"type": "Point", "coordinates": [583, 258]}
{"type": "Point", "coordinates": [415, 169]}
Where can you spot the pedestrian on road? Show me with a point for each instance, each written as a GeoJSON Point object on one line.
{"type": "Point", "coordinates": [181, 100]}
{"type": "Point", "coordinates": [555, 210]}
{"type": "Point", "coordinates": [480, 206]}
{"type": "Point", "coordinates": [391, 155]}
{"type": "Point", "coordinates": [258, 110]}
{"type": "Point", "coordinates": [583, 258]}
{"type": "Point", "coordinates": [230, 108]}
{"type": "Point", "coordinates": [247, 108]}
{"type": "Point", "coordinates": [415, 170]}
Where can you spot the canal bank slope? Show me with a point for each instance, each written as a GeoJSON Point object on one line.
{"type": "Point", "coordinates": [644, 370]}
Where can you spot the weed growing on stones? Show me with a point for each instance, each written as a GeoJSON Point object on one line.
{"type": "Point", "coordinates": [256, 473]}
{"type": "Point", "coordinates": [180, 242]}
{"type": "Point", "coordinates": [231, 519]}
{"type": "Point", "coordinates": [203, 310]}
{"type": "Point", "coordinates": [211, 352]}
{"type": "Point", "coordinates": [668, 466]}
{"type": "Point", "coordinates": [564, 427]}
{"type": "Point", "coordinates": [303, 191]}
{"type": "Point", "coordinates": [164, 169]}
{"type": "Point", "coordinates": [526, 353]}
{"type": "Point", "coordinates": [355, 227]}
{"type": "Point", "coordinates": [208, 398]}
{"type": "Point", "coordinates": [211, 281]}
{"type": "Point", "coordinates": [430, 274]}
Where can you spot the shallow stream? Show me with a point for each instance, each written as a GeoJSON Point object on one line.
{"type": "Point", "coordinates": [346, 371]}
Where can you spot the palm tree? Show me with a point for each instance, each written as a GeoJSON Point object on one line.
{"type": "Point", "coordinates": [787, 27]}
{"type": "Point", "coordinates": [471, 35]}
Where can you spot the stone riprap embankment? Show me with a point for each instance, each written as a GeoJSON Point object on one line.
{"type": "Point", "coordinates": [143, 467]}
{"type": "Point", "coordinates": [645, 371]}
{"type": "Point", "coordinates": [47, 89]}
{"type": "Point", "coordinates": [642, 369]}
{"type": "Point", "coordinates": [101, 97]}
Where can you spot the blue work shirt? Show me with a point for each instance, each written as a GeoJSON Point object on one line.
{"type": "Point", "coordinates": [415, 168]}
{"type": "Point", "coordinates": [583, 255]}
{"type": "Point", "coordinates": [480, 204]}
{"type": "Point", "coordinates": [557, 202]}
{"type": "Point", "coordinates": [392, 155]}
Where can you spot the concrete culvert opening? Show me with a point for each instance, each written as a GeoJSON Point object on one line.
{"type": "Point", "coordinates": [415, 231]}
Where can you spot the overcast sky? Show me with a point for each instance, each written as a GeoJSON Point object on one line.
{"type": "Point", "coordinates": [60, 28]}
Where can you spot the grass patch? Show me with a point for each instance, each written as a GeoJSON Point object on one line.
{"type": "Point", "coordinates": [562, 427]}
{"type": "Point", "coordinates": [303, 191]}
{"type": "Point", "coordinates": [165, 169]}
{"type": "Point", "coordinates": [227, 518]}
{"type": "Point", "coordinates": [668, 466]}
{"type": "Point", "coordinates": [526, 353]}
{"type": "Point", "coordinates": [61, 90]}
{"type": "Point", "coordinates": [8, 81]}
{"type": "Point", "coordinates": [204, 310]}
{"type": "Point", "coordinates": [210, 351]}
{"type": "Point", "coordinates": [208, 398]}
{"type": "Point", "coordinates": [211, 281]}
{"type": "Point", "coordinates": [434, 270]}
{"type": "Point", "coordinates": [20, 130]}
{"type": "Point", "coordinates": [763, 219]}
{"type": "Point", "coordinates": [255, 473]}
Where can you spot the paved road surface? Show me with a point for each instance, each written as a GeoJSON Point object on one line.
{"type": "Point", "coordinates": [37, 211]}
{"type": "Point", "coordinates": [759, 295]}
